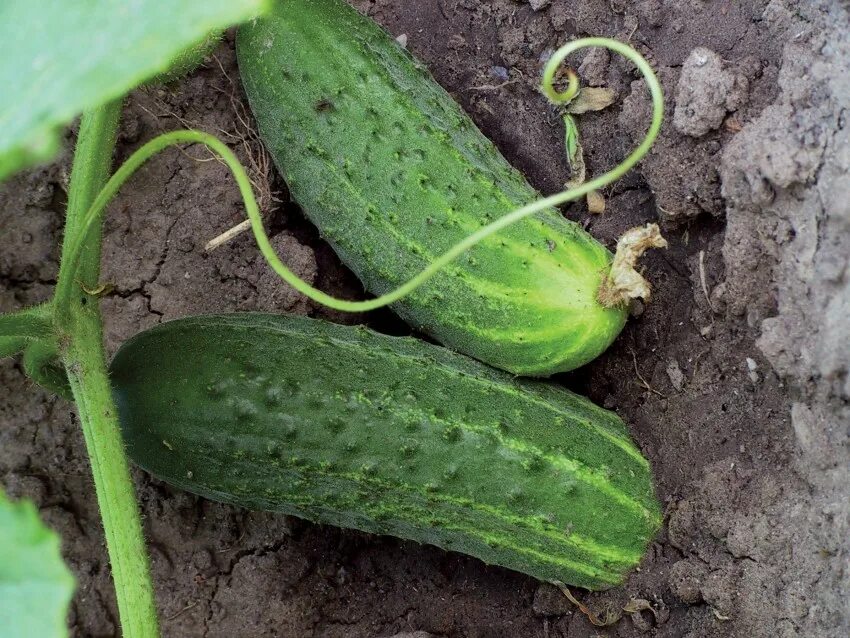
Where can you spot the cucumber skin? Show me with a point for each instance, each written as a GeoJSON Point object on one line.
{"type": "Point", "coordinates": [344, 426]}
{"type": "Point", "coordinates": [393, 173]}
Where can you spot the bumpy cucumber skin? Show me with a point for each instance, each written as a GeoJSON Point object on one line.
{"type": "Point", "coordinates": [344, 426]}
{"type": "Point", "coordinates": [394, 173]}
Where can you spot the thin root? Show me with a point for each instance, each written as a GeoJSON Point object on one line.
{"type": "Point", "coordinates": [610, 617]}
{"type": "Point", "coordinates": [643, 381]}
{"type": "Point", "coordinates": [718, 615]}
{"type": "Point", "coordinates": [182, 611]}
{"type": "Point", "coordinates": [702, 280]}
{"type": "Point", "coordinates": [494, 87]}
{"type": "Point", "coordinates": [696, 363]}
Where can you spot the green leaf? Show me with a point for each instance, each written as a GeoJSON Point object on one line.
{"type": "Point", "coordinates": [35, 585]}
{"type": "Point", "coordinates": [60, 58]}
{"type": "Point", "coordinates": [575, 153]}
{"type": "Point", "coordinates": [571, 138]}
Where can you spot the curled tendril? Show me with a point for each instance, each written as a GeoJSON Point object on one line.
{"type": "Point", "coordinates": [547, 85]}
{"type": "Point", "coordinates": [64, 288]}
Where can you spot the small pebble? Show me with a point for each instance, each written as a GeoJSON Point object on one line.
{"type": "Point", "coordinates": [752, 370]}
{"type": "Point", "coordinates": [500, 73]}
{"type": "Point", "coordinates": [545, 55]}
{"type": "Point", "coordinates": [674, 372]}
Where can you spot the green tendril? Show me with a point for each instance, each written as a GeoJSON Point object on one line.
{"type": "Point", "coordinates": [92, 217]}
{"type": "Point", "coordinates": [548, 82]}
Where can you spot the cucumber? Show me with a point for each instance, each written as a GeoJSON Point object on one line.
{"type": "Point", "coordinates": [394, 173]}
{"type": "Point", "coordinates": [389, 435]}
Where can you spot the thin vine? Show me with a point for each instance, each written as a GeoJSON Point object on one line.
{"type": "Point", "coordinates": [158, 144]}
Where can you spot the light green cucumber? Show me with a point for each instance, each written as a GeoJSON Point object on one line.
{"type": "Point", "coordinates": [394, 173]}
{"type": "Point", "coordinates": [345, 426]}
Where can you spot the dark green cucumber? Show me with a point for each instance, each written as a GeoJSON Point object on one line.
{"type": "Point", "coordinates": [394, 173]}
{"type": "Point", "coordinates": [389, 435]}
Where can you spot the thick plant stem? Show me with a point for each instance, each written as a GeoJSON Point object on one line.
{"type": "Point", "coordinates": [79, 328]}
{"type": "Point", "coordinates": [85, 363]}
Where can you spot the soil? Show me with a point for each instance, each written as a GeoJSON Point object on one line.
{"type": "Point", "coordinates": [734, 379]}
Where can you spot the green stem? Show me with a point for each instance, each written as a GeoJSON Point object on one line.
{"type": "Point", "coordinates": [10, 345]}
{"type": "Point", "coordinates": [154, 146]}
{"type": "Point", "coordinates": [79, 327]}
{"type": "Point", "coordinates": [91, 170]}
{"type": "Point", "coordinates": [85, 364]}
{"type": "Point", "coordinates": [29, 323]}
